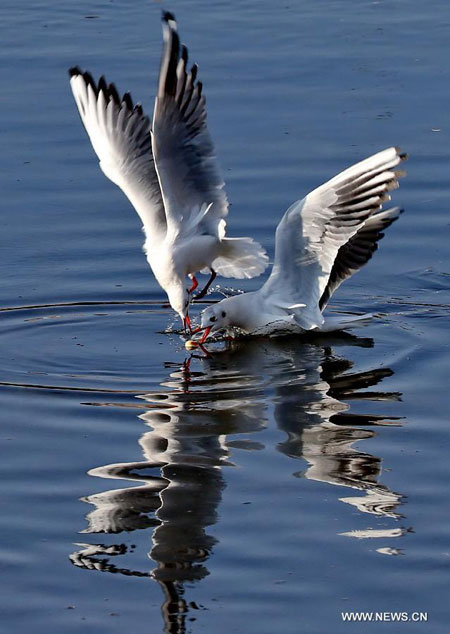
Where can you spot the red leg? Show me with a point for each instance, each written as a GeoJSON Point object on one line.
{"type": "Point", "coordinates": [194, 284]}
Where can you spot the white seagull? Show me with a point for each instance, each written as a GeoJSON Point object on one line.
{"type": "Point", "coordinates": [320, 242]}
{"type": "Point", "coordinates": [169, 173]}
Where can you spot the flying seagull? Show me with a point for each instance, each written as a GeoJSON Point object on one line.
{"type": "Point", "coordinates": [321, 241]}
{"type": "Point", "coordinates": [169, 172]}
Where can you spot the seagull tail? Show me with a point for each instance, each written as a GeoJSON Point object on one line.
{"type": "Point", "coordinates": [332, 323]}
{"type": "Point", "coordinates": [240, 258]}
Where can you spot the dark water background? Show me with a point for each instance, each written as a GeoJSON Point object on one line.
{"type": "Point", "coordinates": [275, 484]}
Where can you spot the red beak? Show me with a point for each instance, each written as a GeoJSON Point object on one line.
{"type": "Point", "coordinates": [187, 322]}
{"type": "Point", "coordinates": [205, 334]}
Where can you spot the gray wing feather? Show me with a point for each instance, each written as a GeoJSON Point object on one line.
{"type": "Point", "coordinates": [189, 176]}
{"type": "Point", "coordinates": [120, 135]}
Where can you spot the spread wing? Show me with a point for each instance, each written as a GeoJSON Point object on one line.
{"type": "Point", "coordinates": [191, 184]}
{"type": "Point", "coordinates": [313, 230]}
{"type": "Point", "coordinates": [120, 135]}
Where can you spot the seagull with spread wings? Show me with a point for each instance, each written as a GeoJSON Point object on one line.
{"type": "Point", "coordinates": [169, 172]}
{"type": "Point", "coordinates": [321, 241]}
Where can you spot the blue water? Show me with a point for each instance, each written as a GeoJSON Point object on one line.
{"type": "Point", "coordinates": [272, 485]}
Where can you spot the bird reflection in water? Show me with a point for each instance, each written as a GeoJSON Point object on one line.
{"type": "Point", "coordinates": [188, 448]}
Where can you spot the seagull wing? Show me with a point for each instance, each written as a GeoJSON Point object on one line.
{"type": "Point", "coordinates": [313, 230]}
{"type": "Point", "coordinates": [120, 135]}
{"type": "Point", "coordinates": [191, 184]}
{"type": "Point", "coordinates": [358, 250]}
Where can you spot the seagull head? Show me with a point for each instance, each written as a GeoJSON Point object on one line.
{"type": "Point", "coordinates": [214, 318]}
{"type": "Point", "coordinates": [179, 300]}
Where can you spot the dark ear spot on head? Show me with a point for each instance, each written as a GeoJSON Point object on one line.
{"type": "Point", "coordinates": [224, 314]}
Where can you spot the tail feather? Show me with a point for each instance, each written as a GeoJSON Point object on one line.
{"type": "Point", "coordinates": [241, 258]}
{"type": "Point", "coordinates": [333, 322]}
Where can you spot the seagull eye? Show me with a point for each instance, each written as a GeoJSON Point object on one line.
{"type": "Point", "coordinates": [213, 318]}
{"type": "Point", "coordinates": [224, 314]}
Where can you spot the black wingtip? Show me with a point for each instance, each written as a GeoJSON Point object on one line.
{"type": "Point", "coordinates": [114, 94]}
{"type": "Point", "coordinates": [167, 84]}
{"type": "Point", "coordinates": [90, 81]}
{"type": "Point", "coordinates": [109, 91]}
{"type": "Point", "coordinates": [167, 16]}
{"type": "Point", "coordinates": [403, 156]}
{"type": "Point", "coordinates": [74, 71]}
{"type": "Point", "coordinates": [128, 101]}
{"type": "Point", "coordinates": [102, 85]}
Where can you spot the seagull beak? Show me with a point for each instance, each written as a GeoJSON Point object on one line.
{"type": "Point", "coordinates": [207, 330]}
{"type": "Point", "coordinates": [187, 324]}
{"type": "Point", "coordinates": [205, 334]}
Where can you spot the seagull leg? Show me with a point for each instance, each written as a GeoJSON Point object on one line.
{"type": "Point", "coordinates": [205, 290]}
{"type": "Point", "coordinates": [194, 284]}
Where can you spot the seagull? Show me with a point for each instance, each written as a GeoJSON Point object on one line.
{"type": "Point", "coordinates": [320, 242]}
{"type": "Point", "coordinates": [169, 172]}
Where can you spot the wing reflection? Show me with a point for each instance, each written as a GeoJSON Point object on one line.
{"type": "Point", "coordinates": [195, 424]}
{"type": "Point", "coordinates": [323, 432]}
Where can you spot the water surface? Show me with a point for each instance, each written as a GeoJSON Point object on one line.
{"type": "Point", "coordinates": [272, 484]}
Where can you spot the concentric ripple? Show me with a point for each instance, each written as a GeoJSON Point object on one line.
{"type": "Point", "coordinates": [89, 346]}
